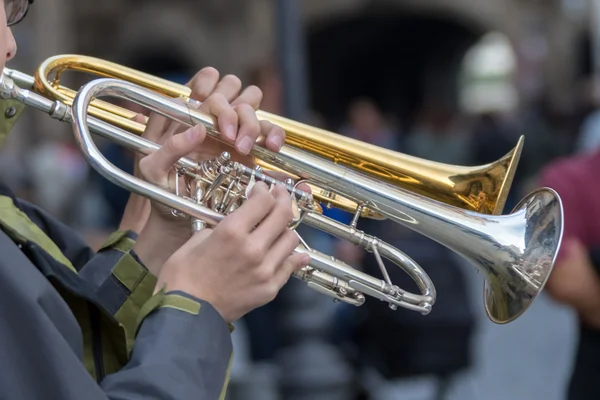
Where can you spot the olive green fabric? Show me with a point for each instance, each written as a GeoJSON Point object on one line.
{"type": "Point", "coordinates": [227, 379]}
{"type": "Point", "coordinates": [118, 240]}
{"type": "Point", "coordinates": [161, 299]}
{"type": "Point", "coordinates": [18, 225]}
{"type": "Point", "coordinates": [141, 285]}
{"type": "Point", "coordinates": [10, 111]}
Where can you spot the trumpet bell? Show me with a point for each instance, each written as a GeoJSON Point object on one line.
{"type": "Point", "coordinates": [516, 278]}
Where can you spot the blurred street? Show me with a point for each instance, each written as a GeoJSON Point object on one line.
{"type": "Point", "coordinates": [508, 363]}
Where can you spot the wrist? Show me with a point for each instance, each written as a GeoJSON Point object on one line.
{"type": "Point", "coordinates": [157, 242]}
{"type": "Point", "coordinates": [135, 214]}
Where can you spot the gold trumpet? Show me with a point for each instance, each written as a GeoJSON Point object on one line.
{"type": "Point", "coordinates": [481, 188]}
{"type": "Point", "coordinates": [456, 206]}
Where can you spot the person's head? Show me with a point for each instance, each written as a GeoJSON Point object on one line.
{"type": "Point", "coordinates": [13, 12]}
{"type": "Point", "coordinates": [365, 117]}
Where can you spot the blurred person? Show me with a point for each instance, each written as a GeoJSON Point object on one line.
{"type": "Point", "coordinates": [147, 316]}
{"type": "Point", "coordinates": [438, 136]}
{"type": "Point", "coordinates": [575, 280]}
{"type": "Point", "coordinates": [588, 136]}
{"type": "Point", "coordinates": [367, 124]}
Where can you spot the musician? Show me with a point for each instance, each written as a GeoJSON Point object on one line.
{"type": "Point", "coordinates": [70, 317]}
{"type": "Point", "coordinates": [575, 280]}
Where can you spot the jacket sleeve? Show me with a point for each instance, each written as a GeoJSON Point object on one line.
{"type": "Point", "coordinates": [120, 280]}
{"type": "Point", "coordinates": [182, 351]}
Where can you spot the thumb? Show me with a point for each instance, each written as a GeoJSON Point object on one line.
{"type": "Point", "coordinates": [156, 166]}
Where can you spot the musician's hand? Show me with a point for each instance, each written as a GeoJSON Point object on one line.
{"type": "Point", "coordinates": [235, 112]}
{"type": "Point", "coordinates": [574, 282]}
{"type": "Point", "coordinates": [243, 263]}
{"type": "Point", "coordinates": [236, 121]}
{"type": "Point", "coordinates": [163, 233]}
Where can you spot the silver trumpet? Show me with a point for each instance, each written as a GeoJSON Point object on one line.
{"type": "Point", "coordinates": [516, 251]}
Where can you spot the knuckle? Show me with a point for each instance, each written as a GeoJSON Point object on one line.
{"type": "Point", "coordinates": [292, 238]}
{"type": "Point", "coordinates": [286, 212]}
{"type": "Point", "coordinates": [215, 100]}
{"type": "Point", "coordinates": [145, 167]}
{"type": "Point", "coordinates": [284, 205]}
{"type": "Point", "coordinates": [230, 113]}
{"type": "Point", "coordinates": [254, 254]}
{"type": "Point", "coordinates": [245, 109]}
{"type": "Point", "coordinates": [255, 94]}
{"type": "Point", "coordinates": [232, 80]}
{"type": "Point", "coordinates": [272, 290]}
{"type": "Point", "coordinates": [261, 190]}
{"type": "Point", "coordinates": [262, 275]}
{"type": "Point", "coordinates": [228, 232]}
{"type": "Point", "coordinates": [210, 72]}
{"type": "Point", "coordinates": [170, 147]}
{"type": "Point", "coordinates": [203, 82]}
{"type": "Point", "coordinates": [268, 200]}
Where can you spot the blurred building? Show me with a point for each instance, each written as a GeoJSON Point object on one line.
{"type": "Point", "coordinates": [400, 51]}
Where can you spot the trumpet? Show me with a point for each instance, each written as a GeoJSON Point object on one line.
{"type": "Point", "coordinates": [458, 207]}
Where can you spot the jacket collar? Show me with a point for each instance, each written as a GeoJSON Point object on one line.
{"type": "Point", "coordinates": [10, 111]}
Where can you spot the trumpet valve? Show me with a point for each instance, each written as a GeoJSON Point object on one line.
{"type": "Point", "coordinates": [330, 286]}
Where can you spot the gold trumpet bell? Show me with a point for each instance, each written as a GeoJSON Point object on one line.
{"type": "Point", "coordinates": [534, 230]}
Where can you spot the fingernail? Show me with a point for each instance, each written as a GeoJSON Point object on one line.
{"type": "Point", "coordinates": [230, 132]}
{"type": "Point", "coordinates": [245, 145]}
{"type": "Point", "coordinates": [277, 142]}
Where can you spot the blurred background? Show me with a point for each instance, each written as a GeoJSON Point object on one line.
{"type": "Point", "coordinates": [456, 81]}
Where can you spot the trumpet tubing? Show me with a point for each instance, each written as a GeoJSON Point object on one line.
{"type": "Point", "coordinates": [452, 205]}
{"type": "Point", "coordinates": [482, 188]}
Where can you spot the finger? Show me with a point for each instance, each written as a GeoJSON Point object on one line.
{"type": "Point", "coordinates": [293, 263]}
{"type": "Point", "coordinates": [245, 218]}
{"type": "Point", "coordinates": [203, 83]}
{"type": "Point", "coordinates": [275, 135]}
{"type": "Point", "coordinates": [250, 128]}
{"type": "Point", "coordinates": [229, 87]}
{"type": "Point", "coordinates": [140, 118]}
{"type": "Point", "coordinates": [252, 96]}
{"type": "Point", "coordinates": [280, 251]}
{"type": "Point", "coordinates": [155, 127]}
{"type": "Point", "coordinates": [227, 119]}
{"type": "Point", "coordinates": [156, 166]}
{"type": "Point", "coordinates": [274, 224]}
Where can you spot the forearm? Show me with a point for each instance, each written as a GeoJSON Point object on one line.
{"type": "Point", "coordinates": [135, 214]}
{"type": "Point", "coordinates": [158, 241]}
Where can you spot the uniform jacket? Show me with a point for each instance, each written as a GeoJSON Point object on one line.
{"type": "Point", "coordinates": [76, 324]}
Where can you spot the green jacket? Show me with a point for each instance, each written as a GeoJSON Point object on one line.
{"type": "Point", "coordinates": [82, 324]}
